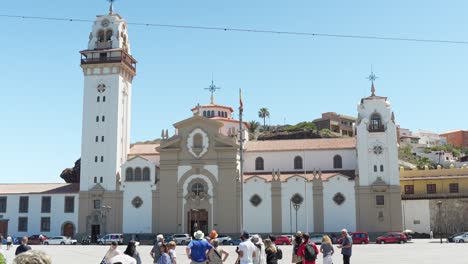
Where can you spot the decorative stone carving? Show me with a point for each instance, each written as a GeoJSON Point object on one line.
{"type": "Point", "coordinates": [137, 202]}
{"type": "Point", "coordinates": [255, 200]}
{"type": "Point", "coordinates": [198, 152]}
{"type": "Point", "coordinates": [339, 198]}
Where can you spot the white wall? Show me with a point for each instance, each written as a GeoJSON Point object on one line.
{"type": "Point", "coordinates": [257, 219]}
{"type": "Point", "coordinates": [138, 220]}
{"type": "Point", "coordinates": [57, 214]}
{"type": "Point", "coordinates": [337, 217]}
{"type": "Point", "coordinates": [284, 160]}
{"type": "Point", "coordinates": [295, 185]}
{"type": "Point", "coordinates": [416, 210]}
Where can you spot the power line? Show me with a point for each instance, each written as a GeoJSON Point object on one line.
{"type": "Point", "coordinates": [250, 30]}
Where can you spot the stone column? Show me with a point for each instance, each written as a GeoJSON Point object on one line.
{"type": "Point", "coordinates": [318, 202]}
{"type": "Point", "coordinates": [276, 208]}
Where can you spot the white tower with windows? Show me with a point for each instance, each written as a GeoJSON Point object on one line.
{"type": "Point", "coordinates": [378, 198]}
{"type": "Point", "coordinates": [108, 71]}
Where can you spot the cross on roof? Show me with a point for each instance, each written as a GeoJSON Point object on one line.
{"type": "Point", "coordinates": [372, 78]}
{"type": "Point", "coordinates": [212, 88]}
{"type": "Point", "coordinates": [111, 7]}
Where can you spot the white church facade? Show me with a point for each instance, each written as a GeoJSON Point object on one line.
{"type": "Point", "coordinates": [191, 179]}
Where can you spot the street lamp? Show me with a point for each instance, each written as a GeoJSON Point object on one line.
{"type": "Point", "coordinates": [296, 201]}
{"type": "Point", "coordinates": [296, 207]}
{"type": "Point", "coordinates": [439, 204]}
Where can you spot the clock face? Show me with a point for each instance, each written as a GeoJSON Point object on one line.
{"type": "Point", "coordinates": [378, 150]}
{"type": "Point", "coordinates": [105, 23]}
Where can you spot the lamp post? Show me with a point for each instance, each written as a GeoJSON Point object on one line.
{"type": "Point", "coordinates": [439, 204]}
{"type": "Point", "coordinates": [296, 207]}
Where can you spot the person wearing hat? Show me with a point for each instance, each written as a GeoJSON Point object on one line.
{"type": "Point", "coordinates": [132, 251]}
{"type": "Point", "coordinates": [199, 249]}
{"type": "Point", "coordinates": [213, 236]}
{"type": "Point", "coordinates": [346, 246]}
{"type": "Point", "coordinates": [246, 250]}
{"type": "Point", "coordinates": [296, 242]}
{"type": "Point", "coordinates": [260, 257]}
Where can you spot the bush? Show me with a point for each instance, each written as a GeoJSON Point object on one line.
{"type": "Point", "coordinates": [2, 259]}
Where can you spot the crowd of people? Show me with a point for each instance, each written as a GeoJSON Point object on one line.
{"type": "Point", "coordinates": [201, 250]}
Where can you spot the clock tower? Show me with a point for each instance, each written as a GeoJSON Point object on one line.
{"type": "Point", "coordinates": [108, 69]}
{"type": "Point", "coordinates": [378, 198]}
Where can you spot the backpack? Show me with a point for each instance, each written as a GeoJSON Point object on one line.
{"type": "Point", "coordinates": [279, 253]}
{"type": "Point", "coordinates": [309, 252]}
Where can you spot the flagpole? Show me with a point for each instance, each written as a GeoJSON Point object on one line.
{"type": "Point", "coordinates": [241, 161]}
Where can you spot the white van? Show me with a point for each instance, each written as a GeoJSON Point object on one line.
{"type": "Point", "coordinates": [109, 238]}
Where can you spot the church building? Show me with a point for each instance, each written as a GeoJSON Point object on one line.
{"type": "Point", "coordinates": [191, 179]}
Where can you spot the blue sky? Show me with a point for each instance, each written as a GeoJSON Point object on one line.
{"type": "Point", "coordinates": [295, 77]}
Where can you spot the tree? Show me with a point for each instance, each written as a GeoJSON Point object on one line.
{"type": "Point", "coordinates": [72, 175]}
{"type": "Point", "coordinates": [264, 113]}
{"type": "Point", "coordinates": [302, 126]}
{"type": "Point", "coordinates": [253, 125]}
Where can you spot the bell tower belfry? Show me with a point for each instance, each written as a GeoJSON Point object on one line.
{"type": "Point", "coordinates": [108, 69]}
{"type": "Point", "coordinates": [378, 198]}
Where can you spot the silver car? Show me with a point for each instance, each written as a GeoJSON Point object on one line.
{"type": "Point", "coordinates": [181, 239]}
{"type": "Point", "coordinates": [461, 238]}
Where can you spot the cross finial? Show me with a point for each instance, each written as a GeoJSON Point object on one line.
{"type": "Point", "coordinates": [212, 88]}
{"type": "Point", "coordinates": [372, 78]}
{"type": "Point", "coordinates": [198, 109]}
{"type": "Point", "coordinates": [111, 7]}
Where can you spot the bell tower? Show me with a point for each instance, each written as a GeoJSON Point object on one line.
{"type": "Point", "coordinates": [378, 198]}
{"type": "Point", "coordinates": [108, 69]}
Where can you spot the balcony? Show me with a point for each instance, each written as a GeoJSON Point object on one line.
{"type": "Point", "coordinates": [124, 58]}
{"type": "Point", "coordinates": [373, 128]}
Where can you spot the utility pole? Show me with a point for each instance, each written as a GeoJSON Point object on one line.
{"type": "Point", "coordinates": [241, 161]}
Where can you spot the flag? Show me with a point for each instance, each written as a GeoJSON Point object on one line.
{"type": "Point", "coordinates": [241, 107]}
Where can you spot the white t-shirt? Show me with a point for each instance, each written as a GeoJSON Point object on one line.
{"type": "Point", "coordinates": [9, 239]}
{"type": "Point", "coordinates": [247, 247]}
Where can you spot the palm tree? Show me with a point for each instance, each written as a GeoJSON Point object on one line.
{"type": "Point", "coordinates": [253, 125]}
{"type": "Point", "coordinates": [263, 113]}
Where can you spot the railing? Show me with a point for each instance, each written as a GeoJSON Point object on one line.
{"type": "Point", "coordinates": [124, 58]}
{"type": "Point", "coordinates": [376, 128]}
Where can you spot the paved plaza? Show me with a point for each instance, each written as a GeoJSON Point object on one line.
{"type": "Point", "coordinates": [420, 251]}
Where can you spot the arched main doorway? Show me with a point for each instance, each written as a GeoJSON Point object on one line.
{"type": "Point", "coordinates": [197, 219]}
{"type": "Point", "coordinates": [68, 229]}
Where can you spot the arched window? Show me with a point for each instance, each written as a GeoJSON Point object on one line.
{"type": "Point", "coordinates": [381, 168]}
{"type": "Point", "coordinates": [376, 123]}
{"type": "Point", "coordinates": [219, 113]}
{"type": "Point", "coordinates": [212, 113]}
{"type": "Point", "coordinates": [137, 174]}
{"type": "Point", "coordinates": [102, 158]}
{"type": "Point", "coordinates": [97, 118]}
{"type": "Point", "coordinates": [98, 99]}
{"type": "Point", "coordinates": [259, 163]}
{"type": "Point", "coordinates": [129, 174]}
{"type": "Point", "coordinates": [101, 180]}
{"type": "Point", "coordinates": [103, 118]}
{"type": "Point", "coordinates": [204, 113]}
{"type": "Point", "coordinates": [298, 163]}
{"type": "Point", "coordinates": [103, 98]}
{"type": "Point", "coordinates": [337, 162]}
{"type": "Point", "coordinates": [95, 179]}
{"type": "Point", "coordinates": [146, 174]}
{"type": "Point", "coordinates": [97, 138]}
{"type": "Point", "coordinates": [198, 188]}
{"type": "Point", "coordinates": [108, 35]}
{"type": "Point", "coordinates": [375, 168]}
{"type": "Point", "coordinates": [197, 141]}
{"type": "Point", "coordinates": [101, 35]}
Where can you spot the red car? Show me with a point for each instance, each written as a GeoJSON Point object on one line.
{"type": "Point", "coordinates": [358, 238]}
{"type": "Point", "coordinates": [36, 239]}
{"type": "Point", "coordinates": [282, 240]}
{"type": "Point", "coordinates": [392, 238]}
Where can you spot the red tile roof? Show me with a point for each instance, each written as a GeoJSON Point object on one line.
{"type": "Point", "coordinates": [301, 144]}
{"type": "Point", "coordinates": [39, 188]}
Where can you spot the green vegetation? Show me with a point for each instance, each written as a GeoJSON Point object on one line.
{"type": "Point", "coordinates": [405, 153]}
{"type": "Point", "coordinates": [264, 113]}
{"type": "Point", "coordinates": [253, 126]}
{"type": "Point", "coordinates": [2, 259]}
{"type": "Point", "coordinates": [302, 126]}
{"type": "Point", "coordinates": [326, 132]}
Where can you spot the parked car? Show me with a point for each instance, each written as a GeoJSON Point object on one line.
{"type": "Point", "coordinates": [461, 238]}
{"type": "Point", "coordinates": [235, 242]}
{"type": "Point", "coordinates": [181, 239]}
{"type": "Point", "coordinates": [316, 238]}
{"type": "Point", "coordinates": [451, 238]}
{"type": "Point", "coordinates": [282, 240]}
{"type": "Point", "coordinates": [109, 238]}
{"type": "Point", "coordinates": [60, 240]}
{"type": "Point", "coordinates": [224, 239]}
{"type": "Point", "coordinates": [15, 240]}
{"type": "Point", "coordinates": [392, 238]}
{"type": "Point", "coordinates": [36, 239]}
{"type": "Point", "coordinates": [358, 238]}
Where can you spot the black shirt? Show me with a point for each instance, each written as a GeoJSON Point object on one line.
{"type": "Point", "coordinates": [271, 257]}
{"type": "Point", "coordinates": [21, 249]}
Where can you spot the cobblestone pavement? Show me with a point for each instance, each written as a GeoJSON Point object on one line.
{"type": "Point", "coordinates": [420, 251]}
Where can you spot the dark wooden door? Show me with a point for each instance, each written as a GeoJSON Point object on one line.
{"type": "Point", "coordinates": [95, 232]}
{"type": "Point", "coordinates": [4, 228]}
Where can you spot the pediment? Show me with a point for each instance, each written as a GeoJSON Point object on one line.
{"type": "Point", "coordinates": [200, 120]}
{"type": "Point", "coordinates": [97, 188]}
{"type": "Point", "coordinates": [171, 143]}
